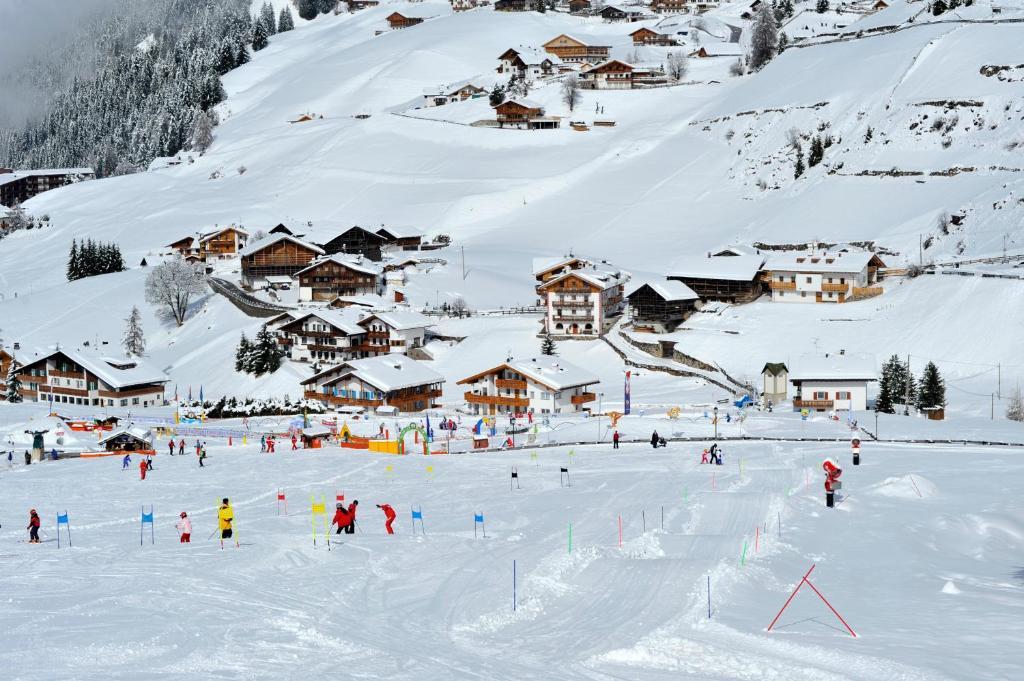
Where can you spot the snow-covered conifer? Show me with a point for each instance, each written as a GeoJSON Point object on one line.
{"type": "Point", "coordinates": [134, 339]}
{"type": "Point", "coordinates": [764, 38]}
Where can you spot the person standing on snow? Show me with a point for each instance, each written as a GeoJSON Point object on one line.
{"type": "Point", "coordinates": [202, 456]}
{"type": "Point", "coordinates": [170, 447]}
{"type": "Point", "coordinates": [33, 527]}
{"type": "Point", "coordinates": [295, 442]}
{"type": "Point", "coordinates": [143, 467]}
{"type": "Point", "coordinates": [126, 461]}
{"type": "Point", "coordinates": [198, 447]}
{"type": "Point", "coordinates": [351, 528]}
{"type": "Point", "coordinates": [389, 517]}
{"type": "Point", "coordinates": [184, 528]}
{"type": "Point", "coordinates": [615, 440]}
{"type": "Point", "coordinates": [181, 447]}
{"type": "Point", "coordinates": [263, 444]}
{"type": "Point", "coordinates": [149, 462]}
{"type": "Point", "coordinates": [341, 517]}
{"type": "Point", "coordinates": [225, 519]}
{"type": "Point", "coordinates": [655, 439]}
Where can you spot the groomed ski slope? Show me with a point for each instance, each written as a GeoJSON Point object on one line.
{"type": "Point", "coordinates": [919, 559]}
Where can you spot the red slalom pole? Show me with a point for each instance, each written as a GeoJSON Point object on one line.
{"type": "Point", "coordinates": [852, 633]}
{"type": "Point", "coordinates": [791, 596]}
{"type": "Point", "coordinates": [757, 538]}
{"type": "Point", "coordinates": [620, 531]}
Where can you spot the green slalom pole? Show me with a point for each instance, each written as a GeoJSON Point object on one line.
{"type": "Point", "coordinates": [570, 537]}
{"type": "Point", "coordinates": [743, 556]}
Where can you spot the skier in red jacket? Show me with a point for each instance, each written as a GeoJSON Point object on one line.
{"type": "Point", "coordinates": [295, 443]}
{"type": "Point", "coordinates": [143, 467]}
{"type": "Point", "coordinates": [33, 527]}
{"type": "Point", "coordinates": [389, 516]}
{"type": "Point", "coordinates": [341, 518]}
{"type": "Point", "coordinates": [351, 529]}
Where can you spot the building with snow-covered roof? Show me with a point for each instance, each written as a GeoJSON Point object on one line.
{"type": "Point", "coordinates": [583, 301]}
{"type": "Point", "coordinates": [449, 94]}
{"type": "Point", "coordinates": [719, 50]}
{"type": "Point", "coordinates": [328, 335]}
{"type": "Point", "coordinates": [683, 6]}
{"type": "Point", "coordinates": [339, 275]}
{"type": "Point", "coordinates": [403, 237]}
{"type": "Point", "coordinates": [646, 36]}
{"type": "Point", "coordinates": [510, 5]}
{"type": "Point", "coordinates": [732, 279]}
{"type": "Point", "coordinates": [613, 74]}
{"type": "Point", "coordinates": [832, 382]}
{"type": "Point", "coordinates": [660, 306]}
{"type": "Point", "coordinates": [130, 438]}
{"type": "Point", "coordinates": [405, 19]}
{"type": "Point", "coordinates": [572, 50]}
{"type": "Point", "coordinates": [523, 113]}
{"type": "Point", "coordinates": [278, 255]}
{"type": "Point", "coordinates": [84, 377]}
{"type": "Point", "coordinates": [390, 380]}
{"type": "Point", "coordinates": [394, 331]}
{"type": "Point", "coordinates": [612, 13]}
{"type": "Point", "coordinates": [18, 186]}
{"type": "Point", "coordinates": [823, 277]}
{"type": "Point", "coordinates": [225, 242]}
{"type": "Point", "coordinates": [543, 385]}
{"type": "Point", "coordinates": [357, 240]}
{"type": "Point", "coordinates": [5, 217]}
{"type": "Point", "coordinates": [528, 63]}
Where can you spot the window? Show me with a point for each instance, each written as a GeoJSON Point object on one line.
{"type": "Point", "coordinates": [545, 396]}
{"type": "Point", "coordinates": [808, 280]}
{"type": "Point", "coordinates": [803, 294]}
{"type": "Point", "coordinates": [821, 395]}
{"type": "Point", "coordinates": [124, 403]}
{"type": "Point", "coordinates": [842, 395]}
{"type": "Point", "coordinates": [135, 400]}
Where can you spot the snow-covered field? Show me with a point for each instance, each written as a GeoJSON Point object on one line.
{"type": "Point", "coordinates": [921, 559]}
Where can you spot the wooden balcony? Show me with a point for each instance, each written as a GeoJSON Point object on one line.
{"type": "Point", "coordinates": [496, 400]}
{"type": "Point", "coordinates": [583, 398]}
{"type": "Point", "coordinates": [813, 404]}
{"type": "Point", "coordinates": [581, 319]}
{"type": "Point", "coordinates": [67, 374]}
{"type": "Point", "coordinates": [572, 303]}
{"type": "Point", "coordinates": [150, 390]}
{"type": "Point", "coordinates": [782, 285]}
{"type": "Point", "coordinates": [64, 391]}
{"type": "Point", "coordinates": [835, 288]}
{"type": "Point", "coordinates": [510, 384]}
{"type": "Point", "coordinates": [338, 399]}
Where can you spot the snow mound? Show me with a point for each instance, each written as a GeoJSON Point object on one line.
{"type": "Point", "coordinates": [950, 588]}
{"type": "Point", "coordinates": [906, 487]}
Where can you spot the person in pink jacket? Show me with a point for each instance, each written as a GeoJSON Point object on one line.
{"type": "Point", "coordinates": [184, 527]}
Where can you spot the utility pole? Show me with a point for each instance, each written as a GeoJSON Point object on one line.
{"type": "Point", "coordinates": [999, 381]}
{"type": "Point", "coordinates": [920, 250]}
{"type": "Point", "coordinates": [993, 415]}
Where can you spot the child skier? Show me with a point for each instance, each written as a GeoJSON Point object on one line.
{"type": "Point", "coordinates": [389, 516]}
{"type": "Point", "coordinates": [351, 528]}
{"type": "Point", "coordinates": [615, 440]}
{"type": "Point", "coordinates": [263, 443]}
{"type": "Point", "coordinates": [184, 527]}
{"type": "Point", "coordinates": [170, 447]}
{"type": "Point", "coordinates": [181, 447]}
{"type": "Point", "coordinates": [704, 457]}
{"type": "Point", "coordinates": [126, 461]}
{"type": "Point", "coordinates": [655, 439]}
{"type": "Point", "coordinates": [295, 443]}
{"type": "Point", "coordinates": [33, 527]}
{"type": "Point", "coordinates": [202, 456]}
{"type": "Point", "coordinates": [341, 517]}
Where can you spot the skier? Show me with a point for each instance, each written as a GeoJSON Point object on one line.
{"type": "Point", "coordinates": [28, 459]}
{"type": "Point", "coordinates": [126, 461]}
{"type": "Point", "coordinates": [143, 467]}
{"type": "Point", "coordinates": [170, 447]}
{"type": "Point", "coordinates": [263, 443]}
{"type": "Point", "coordinates": [655, 439]}
{"type": "Point", "coordinates": [341, 517]}
{"type": "Point", "coordinates": [270, 444]}
{"type": "Point", "coordinates": [181, 447]}
{"type": "Point", "coordinates": [615, 440]}
{"type": "Point", "coordinates": [704, 457]}
{"type": "Point", "coordinates": [184, 527]}
{"type": "Point", "coordinates": [10, 459]}
{"type": "Point", "coordinates": [33, 527]}
{"type": "Point", "coordinates": [351, 528]}
{"type": "Point", "coordinates": [295, 442]}
{"type": "Point", "coordinates": [149, 463]}
{"type": "Point", "coordinates": [198, 447]}
{"type": "Point", "coordinates": [389, 517]}
{"type": "Point", "coordinates": [202, 456]}
{"type": "Point", "coordinates": [225, 519]}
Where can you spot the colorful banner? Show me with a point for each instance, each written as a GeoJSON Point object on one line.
{"type": "Point", "coordinates": [626, 394]}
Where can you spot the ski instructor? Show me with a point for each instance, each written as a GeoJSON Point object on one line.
{"type": "Point", "coordinates": [225, 519]}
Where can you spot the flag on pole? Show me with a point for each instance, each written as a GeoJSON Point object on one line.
{"type": "Point", "coordinates": [200, 394]}
{"type": "Point", "coordinates": [626, 394]}
{"type": "Point", "coordinates": [189, 392]}
{"type": "Point", "coordinates": [175, 392]}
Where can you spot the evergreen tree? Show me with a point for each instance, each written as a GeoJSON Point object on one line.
{"type": "Point", "coordinates": [764, 38]}
{"type": "Point", "coordinates": [259, 37]}
{"type": "Point", "coordinates": [783, 42]}
{"type": "Point", "coordinates": [242, 52]}
{"type": "Point", "coordinates": [134, 340]}
{"type": "Point", "coordinates": [74, 268]}
{"type": "Point", "coordinates": [883, 403]}
{"type": "Point", "coordinates": [787, 8]}
{"type": "Point", "coordinates": [1014, 410]}
{"type": "Point", "coordinates": [939, 7]}
{"type": "Point", "coordinates": [226, 56]}
{"type": "Point", "coordinates": [799, 168]}
{"type": "Point", "coordinates": [816, 153]}
{"type": "Point", "coordinates": [327, 6]}
{"type": "Point", "coordinates": [932, 389]}
{"type": "Point", "coordinates": [266, 354]}
{"type": "Point", "coordinates": [497, 95]}
{"type": "Point", "coordinates": [13, 393]}
{"type": "Point", "coordinates": [308, 9]}
{"type": "Point", "coordinates": [285, 22]}
{"type": "Point", "coordinates": [242, 353]}
{"type": "Point", "coordinates": [547, 345]}
{"type": "Point", "coordinates": [540, 6]}
{"type": "Point", "coordinates": [821, 7]}
{"type": "Point", "coordinates": [267, 19]}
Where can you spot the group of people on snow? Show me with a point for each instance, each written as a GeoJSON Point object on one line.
{"type": "Point", "coordinates": [712, 455]}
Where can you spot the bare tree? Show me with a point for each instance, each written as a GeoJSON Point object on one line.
{"type": "Point", "coordinates": [571, 91]}
{"type": "Point", "coordinates": [202, 132]}
{"type": "Point", "coordinates": [676, 64]}
{"type": "Point", "coordinates": [1015, 410]}
{"type": "Point", "coordinates": [172, 286]}
{"type": "Point", "coordinates": [458, 306]}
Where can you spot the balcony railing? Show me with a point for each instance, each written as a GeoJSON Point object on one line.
{"type": "Point", "coordinates": [496, 400]}
{"type": "Point", "coordinates": [813, 404]}
{"type": "Point", "coordinates": [583, 398]}
{"type": "Point", "coordinates": [782, 285]}
{"type": "Point", "coordinates": [510, 383]}
{"type": "Point", "coordinates": [835, 288]}
{"type": "Point", "coordinates": [572, 303]}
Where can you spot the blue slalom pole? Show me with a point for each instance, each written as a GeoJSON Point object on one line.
{"type": "Point", "coordinates": [709, 596]}
{"type": "Point", "coordinates": [513, 585]}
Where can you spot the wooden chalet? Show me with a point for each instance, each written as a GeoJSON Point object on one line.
{"type": "Point", "coordinates": [357, 5]}
{"type": "Point", "coordinates": [610, 75]}
{"type": "Point", "coordinates": [402, 238]}
{"type": "Point", "coordinates": [187, 246]}
{"type": "Point", "coordinates": [712, 50]}
{"type": "Point", "coordinates": [5, 366]}
{"type": "Point", "coordinates": [463, 5]}
{"type": "Point", "coordinates": [510, 6]}
{"type": "Point", "coordinates": [281, 229]}
{"type": "Point", "coordinates": [391, 381]}
{"type": "Point", "coordinates": [357, 240]}
{"type": "Point", "coordinates": [324, 336]}
{"type": "Point", "coordinates": [223, 243]}
{"type": "Point", "coordinates": [582, 302]}
{"type": "Point", "coordinates": [527, 63]}
{"type": "Point", "coordinates": [579, 6]}
{"type": "Point", "coordinates": [397, 20]}
{"type": "Point", "coordinates": [660, 306]}
{"type": "Point", "coordinates": [338, 275]}
{"type": "Point", "coordinates": [74, 376]}
{"type": "Point", "coordinates": [128, 439]}
{"type": "Point", "coordinates": [18, 186]}
{"type": "Point", "coordinates": [395, 331]}
{"type": "Point", "coordinates": [734, 279]}
{"type": "Point", "coordinates": [523, 113]}
{"type": "Point", "coordinates": [281, 255]}
{"type": "Point", "coordinates": [645, 36]}
{"type": "Point", "coordinates": [570, 49]}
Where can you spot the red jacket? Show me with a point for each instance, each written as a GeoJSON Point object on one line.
{"type": "Point", "coordinates": [341, 518]}
{"type": "Point", "coordinates": [33, 521]}
{"type": "Point", "coordinates": [352, 510]}
{"type": "Point", "coordinates": [389, 512]}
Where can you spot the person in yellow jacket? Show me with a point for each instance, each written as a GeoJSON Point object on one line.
{"type": "Point", "coordinates": [225, 518]}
